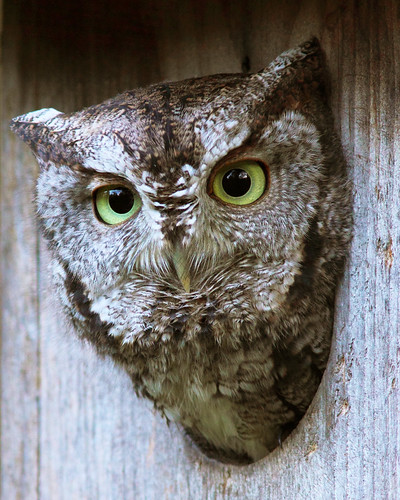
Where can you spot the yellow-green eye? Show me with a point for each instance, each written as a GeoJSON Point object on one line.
{"type": "Point", "coordinates": [239, 183]}
{"type": "Point", "coordinates": [115, 204]}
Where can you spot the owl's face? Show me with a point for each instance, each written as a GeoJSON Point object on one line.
{"type": "Point", "coordinates": [179, 194]}
{"type": "Point", "coordinates": [202, 213]}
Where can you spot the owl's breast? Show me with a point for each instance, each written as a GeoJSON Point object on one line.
{"type": "Point", "coordinates": [208, 357]}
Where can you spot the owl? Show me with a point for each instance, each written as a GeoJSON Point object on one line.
{"type": "Point", "coordinates": [197, 231]}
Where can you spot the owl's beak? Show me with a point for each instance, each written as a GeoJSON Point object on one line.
{"type": "Point", "coordinates": [181, 266]}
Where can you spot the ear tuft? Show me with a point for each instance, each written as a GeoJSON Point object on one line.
{"type": "Point", "coordinates": [27, 126]}
{"type": "Point", "coordinates": [39, 116]}
{"type": "Point", "coordinates": [39, 130]}
{"type": "Point", "coordinates": [305, 60]}
{"type": "Point", "coordinates": [295, 80]}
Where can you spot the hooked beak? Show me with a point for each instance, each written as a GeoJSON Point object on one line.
{"type": "Point", "coordinates": [181, 266]}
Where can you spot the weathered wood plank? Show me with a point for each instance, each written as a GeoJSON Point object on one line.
{"type": "Point", "coordinates": [20, 357]}
{"type": "Point", "coordinates": [71, 427]}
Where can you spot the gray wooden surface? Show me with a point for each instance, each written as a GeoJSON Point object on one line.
{"type": "Point", "coordinates": [71, 427]}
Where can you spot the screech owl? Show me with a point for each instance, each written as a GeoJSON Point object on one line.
{"type": "Point", "coordinates": [198, 230]}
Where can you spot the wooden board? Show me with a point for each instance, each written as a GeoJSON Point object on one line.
{"type": "Point", "coordinates": [71, 427]}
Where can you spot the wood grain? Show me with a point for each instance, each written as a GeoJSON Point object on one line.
{"type": "Point", "coordinates": [71, 427]}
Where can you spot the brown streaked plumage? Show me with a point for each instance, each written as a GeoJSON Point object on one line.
{"type": "Point", "coordinates": [220, 313]}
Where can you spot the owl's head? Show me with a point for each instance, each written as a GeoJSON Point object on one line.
{"type": "Point", "coordinates": [197, 203]}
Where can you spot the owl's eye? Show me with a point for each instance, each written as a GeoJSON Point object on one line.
{"type": "Point", "coordinates": [239, 183]}
{"type": "Point", "coordinates": [115, 204]}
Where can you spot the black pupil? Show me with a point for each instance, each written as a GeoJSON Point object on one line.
{"type": "Point", "coordinates": [236, 182]}
{"type": "Point", "coordinates": [121, 200]}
